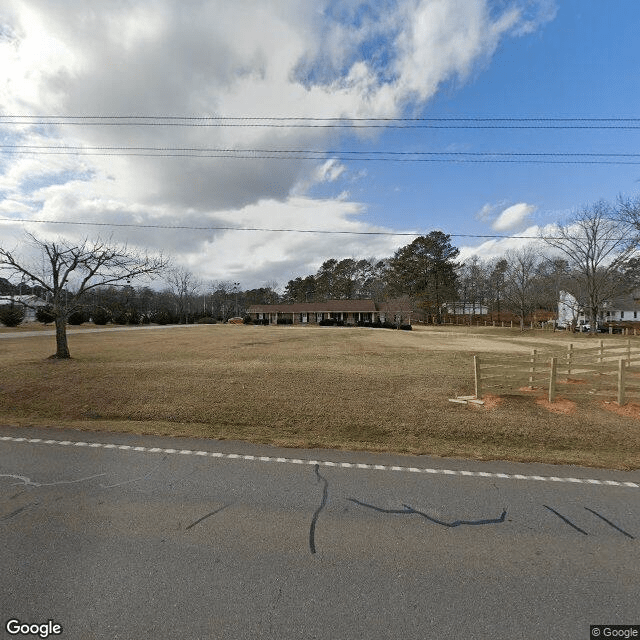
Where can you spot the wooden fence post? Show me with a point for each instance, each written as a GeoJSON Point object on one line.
{"type": "Point", "coordinates": [569, 355]}
{"type": "Point", "coordinates": [552, 379]}
{"type": "Point", "coordinates": [601, 356]}
{"type": "Point", "coordinates": [621, 368]}
{"type": "Point", "coordinates": [629, 352]}
{"type": "Point", "coordinates": [476, 370]}
{"type": "Point", "coordinates": [532, 368]}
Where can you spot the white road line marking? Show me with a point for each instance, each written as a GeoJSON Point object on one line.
{"type": "Point", "coordinates": [327, 463]}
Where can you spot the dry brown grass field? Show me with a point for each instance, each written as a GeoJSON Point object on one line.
{"type": "Point", "coordinates": [326, 387]}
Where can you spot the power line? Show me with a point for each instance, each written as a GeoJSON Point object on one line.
{"type": "Point", "coordinates": [454, 122]}
{"type": "Point", "coordinates": [270, 230]}
{"type": "Point", "coordinates": [329, 119]}
{"type": "Point", "coordinates": [313, 154]}
{"type": "Point", "coordinates": [314, 151]}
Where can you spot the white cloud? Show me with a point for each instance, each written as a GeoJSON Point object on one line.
{"type": "Point", "coordinates": [215, 57]}
{"type": "Point", "coordinates": [492, 249]}
{"type": "Point", "coordinates": [330, 171]}
{"type": "Point", "coordinates": [513, 217]}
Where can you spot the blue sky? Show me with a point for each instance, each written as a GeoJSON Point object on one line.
{"type": "Point", "coordinates": [307, 58]}
{"type": "Point", "coordinates": [583, 63]}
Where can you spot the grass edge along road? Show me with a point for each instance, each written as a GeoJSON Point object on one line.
{"type": "Point", "coordinates": [312, 387]}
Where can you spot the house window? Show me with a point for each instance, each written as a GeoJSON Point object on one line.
{"type": "Point", "coordinates": [635, 314]}
{"type": "Point", "coordinates": [622, 314]}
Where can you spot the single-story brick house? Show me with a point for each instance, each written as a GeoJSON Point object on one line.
{"type": "Point", "coordinates": [348, 311]}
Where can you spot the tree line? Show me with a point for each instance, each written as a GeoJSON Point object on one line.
{"type": "Point", "coordinates": [593, 256]}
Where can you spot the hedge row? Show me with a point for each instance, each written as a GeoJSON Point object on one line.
{"type": "Point", "coordinates": [333, 322]}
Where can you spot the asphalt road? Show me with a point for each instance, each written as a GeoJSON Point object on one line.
{"type": "Point", "coordinates": [120, 536]}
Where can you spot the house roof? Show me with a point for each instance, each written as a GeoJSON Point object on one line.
{"type": "Point", "coordinates": [624, 303]}
{"type": "Point", "coordinates": [349, 306]}
{"type": "Point", "coordinates": [26, 300]}
{"type": "Point", "coordinates": [398, 305]}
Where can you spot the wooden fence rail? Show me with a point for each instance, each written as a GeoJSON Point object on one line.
{"type": "Point", "coordinates": [605, 369]}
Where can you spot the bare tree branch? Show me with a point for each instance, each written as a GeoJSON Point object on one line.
{"type": "Point", "coordinates": [69, 270]}
{"type": "Point", "coordinates": [597, 242]}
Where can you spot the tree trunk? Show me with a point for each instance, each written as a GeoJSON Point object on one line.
{"type": "Point", "coordinates": [62, 348]}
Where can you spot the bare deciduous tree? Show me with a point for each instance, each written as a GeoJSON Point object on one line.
{"type": "Point", "coordinates": [184, 287]}
{"type": "Point", "coordinates": [66, 271]}
{"type": "Point", "coordinates": [597, 243]}
{"type": "Point", "coordinates": [521, 291]}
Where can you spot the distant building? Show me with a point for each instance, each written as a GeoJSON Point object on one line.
{"type": "Point", "coordinates": [347, 311]}
{"type": "Point", "coordinates": [568, 310]}
{"type": "Point", "coordinates": [618, 310]}
{"type": "Point", "coordinates": [29, 311]}
{"type": "Point", "coordinates": [465, 309]}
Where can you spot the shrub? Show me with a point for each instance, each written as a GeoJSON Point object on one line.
{"type": "Point", "coordinates": [11, 316]}
{"type": "Point", "coordinates": [45, 314]}
{"type": "Point", "coordinates": [77, 318]}
{"type": "Point", "coordinates": [406, 327]}
{"type": "Point", "coordinates": [248, 320]}
{"type": "Point", "coordinates": [100, 315]}
{"type": "Point", "coordinates": [161, 317]}
{"type": "Point", "coordinates": [206, 320]}
{"type": "Point", "coordinates": [285, 321]}
{"type": "Point", "coordinates": [327, 322]}
{"type": "Point", "coordinates": [121, 317]}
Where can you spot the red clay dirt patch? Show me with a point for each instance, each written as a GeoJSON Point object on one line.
{"type": "Point", "coordinates": [490, 402]}
{"type": "Point", "coordinates": [559, 405]}
{"type": "Point", "coordinates": [629, 410]}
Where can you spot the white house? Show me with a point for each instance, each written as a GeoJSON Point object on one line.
{"type": "Point", "coordinates": [620, 309]}
{"type": "Point", "coordinates": [569, 311]}
{"type": "Point", "coordinates": [29, 311]}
